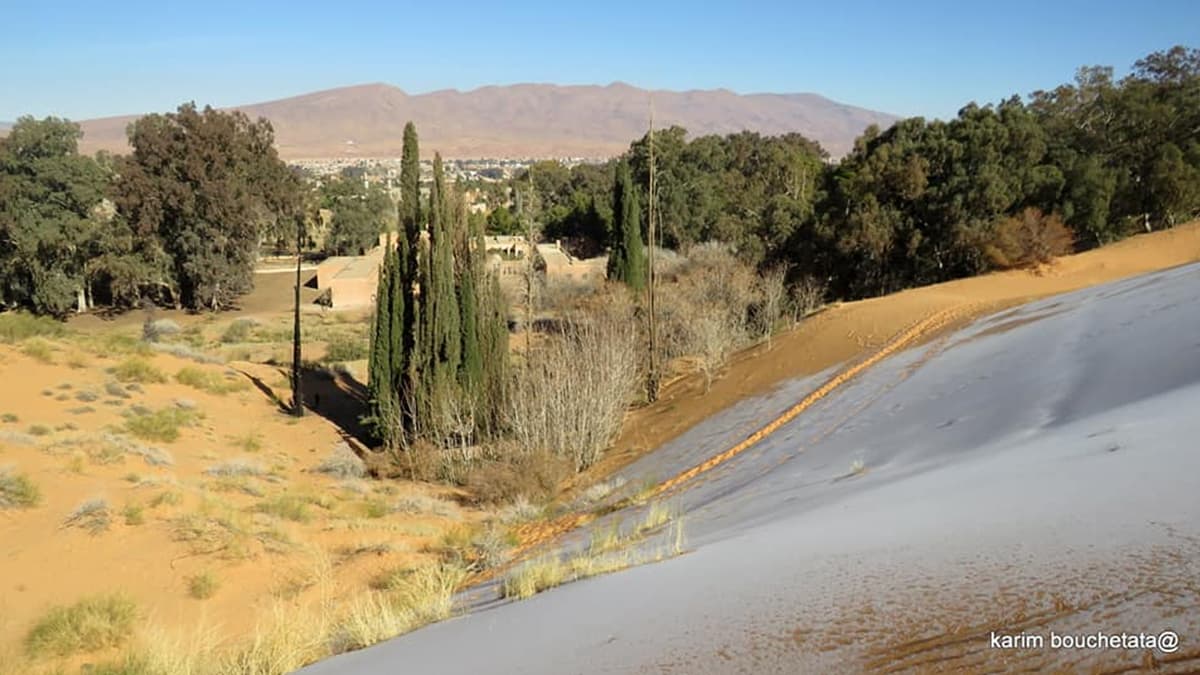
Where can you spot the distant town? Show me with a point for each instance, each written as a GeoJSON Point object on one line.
{"type": "Point", "coordinates": [386, 170]}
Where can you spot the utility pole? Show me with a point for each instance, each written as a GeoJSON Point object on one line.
{"type": "Point", "coordinates": [529, 245]}
{"type": "Point", "coordinates": [652, 377]}
{"type": "Point", "coordinates": [297, 387]}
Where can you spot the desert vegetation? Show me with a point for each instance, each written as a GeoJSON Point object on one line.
{"type": "Point", "coordinates": [756, 234]}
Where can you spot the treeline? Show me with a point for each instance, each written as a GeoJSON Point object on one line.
{"type": "Point", "coordinates": [178, 221]}
{"type": "Point", "coordinates": [923, 201]}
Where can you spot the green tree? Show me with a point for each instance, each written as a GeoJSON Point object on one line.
{"type": "Point", "coordinates": [50, 225]}
{"type": "Point", "coordinates": [208, 184]}
{"type": "Point", "coordinates": [360, 215]}
{"type": "Point", "coordinates": [627, 256]}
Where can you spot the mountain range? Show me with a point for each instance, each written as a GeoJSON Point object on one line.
{"type": "Point", "coordinates": [523, 120]}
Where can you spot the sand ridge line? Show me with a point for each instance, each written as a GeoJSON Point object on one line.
{"type": "Point", "coordinates": [926, 326]}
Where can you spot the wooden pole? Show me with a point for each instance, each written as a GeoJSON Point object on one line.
{"type": "Point", "coordinates": [297, 385]}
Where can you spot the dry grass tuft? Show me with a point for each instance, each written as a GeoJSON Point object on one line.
{"type": "Point", "coordinates": [160, 425]}
{"type": "Point", "coordinates": [412, 600]}
{"type": "Point", "coordinates": [38, 350]}
{"type": "Point", "coordinates": [92, 515]}
{"type": "Point", "coordinates": [203, 585]}
{"type": "Point", "coordinates": [91, 624]}
{"type": "Point", "coordinates": [343, 463]}
{"type": "Point", "coordinates": [17, 490]}
{"type": "Point", "coordinates": [209, 381]}
{"type": "Point", "coordinates": [139, 370]}
{"type": "Point", "coordinates": [533, 577]}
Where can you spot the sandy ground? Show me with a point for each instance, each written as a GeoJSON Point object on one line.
{"type": "Point", "coordinates": [58, 421]}
{"type": "Point", "coordinates": [1030, 473]}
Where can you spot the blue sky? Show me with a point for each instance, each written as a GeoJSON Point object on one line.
{"type": "Point", "coordinates": [83, 60]}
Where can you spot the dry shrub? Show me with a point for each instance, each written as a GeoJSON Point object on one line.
{"type": "Point", "coordinates": [707, 311]}
{"type": "Point", "coordinates": [530, 476]}
{"type": "Point", "coordinates": [772, 292]}
{"type": "Point", "coordinates": [807, 295]}
{"type": "Point", "coordinates": [570, 396]}
{"type": "Point", "coordinates": [1027, 239]}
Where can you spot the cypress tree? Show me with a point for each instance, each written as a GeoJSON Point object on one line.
{"type": "Point", "coordinates": [410, 185]}
{"type": "Point", "coordinates": [627, 256]}
{"type": "Point", "coordinates": [379, 367]}
{"type": "Point", "coordinates": [443, 301]}
{"type": "Point", "coordinates": [396, 337]}
{"type": "Point", "coordinates": [471, 277]}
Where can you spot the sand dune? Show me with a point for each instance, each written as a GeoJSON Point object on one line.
{"type": "Point", "coordinates": [1030, 472]}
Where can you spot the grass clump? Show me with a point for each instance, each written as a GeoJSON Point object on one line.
{"type": "Point", "coordinates": [160, 425]}
{"type": "Point", "coordinates": [17, 490]}
{"type": "Point", "coordinates": [18, 326]}
{"type": "Point", "coordinates": [203, 586]}
{"type": "Point", "coordinates": [138, 370]}
{"type": "Point", "coordinates": [168, 497]}
{"type": "Point", "coordinates": [38, 350]}
{"type": "Point", "coordinates": [134, 514]}
{"type": "Point", "coordinates": [341, 348]}
{"type": "Point", "coordinates": [89, 625]}
{"type": "Point", "coordinates": [238, 331]}
{"type": "Point", "coordinates": [249, 443]}
{"type": "Point", "coordinates": [235, 467]}
{"type": "Point", "coordinates": [343, 463]}
{"type": "Point", "coordinates": [9, 418]}
{"type": "Point", "coordinates": [39, 430]}
{"type": "Point", "coordinates": [534, 577]}
{"type": "Point", "coordinates": [207, 380]}
{"type": "Point", "coordinates": [92, 515]}
{"type": "Point", "coordinates": [287, 507]}
{"type": "Point", "coordinates": [411, 600]}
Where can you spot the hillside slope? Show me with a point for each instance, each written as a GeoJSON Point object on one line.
{"type": "Point", "coordinates": [524, 120]}
{"type": "Point", "coordinates": [1031, 474]}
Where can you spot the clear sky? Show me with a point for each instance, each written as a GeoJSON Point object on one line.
{"type": "Point", "coordinates": [89, 59]}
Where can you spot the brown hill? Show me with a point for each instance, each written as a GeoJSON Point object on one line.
{"type": "Point", "coordinates": [524, 120]}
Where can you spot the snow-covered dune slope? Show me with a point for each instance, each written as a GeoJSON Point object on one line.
{"type": "Point", "coordinates": [1036, 474]}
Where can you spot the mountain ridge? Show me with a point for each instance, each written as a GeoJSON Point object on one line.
{"type": "Point", "coordinates": [522, 120]}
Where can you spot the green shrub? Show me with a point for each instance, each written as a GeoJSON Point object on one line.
{"type": "Point", "coordinates": [134, 514]}
{"type": "Point", "coordinates": [89, 625]}
{"type": "Point", "coordinates": [10, 418]}
{"type": "Point", "coordinates": [38, 350]}
{"type": "Point", "coordinates": [160, 425]}
{"type": "Point", "coordinates": [39, 430]}
{"type": "Point", "coordinates": [238, 331]}
{"type": "Point", "coordinates": [207, 380]}
{"type": "Point", "coordinates": [345, 349]}
{"type": "Point", "coordinates": [17, 326]}
{"type": "Point", "coordinates": [136, 369]}
{"type": "Point", "coordinates": [16, 490]}
{"type": "Point", "coordinates": [288, 507]}
{"type": "Point", "coordinates": [203, 586]}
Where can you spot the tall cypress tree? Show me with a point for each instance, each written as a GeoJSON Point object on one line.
{"type": "Point", "coordinates": [471, 277]}
{"type": "Point", "coordinates": [627, 255]}
{"type": "Point", "coordinates": [379, 368]}
{"type": "Point", "coordinates": [410, 185]}
{"type": "Point", "coordinates": [440, 327]}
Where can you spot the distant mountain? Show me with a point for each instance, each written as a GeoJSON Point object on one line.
{"type": "Point", "coordinates": [524, 120]}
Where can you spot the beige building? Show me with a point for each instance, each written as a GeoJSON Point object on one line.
{"type": "Point", "coordinates": [351, 280]}
{"type": "Point", "coordinates": [563, 268]}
